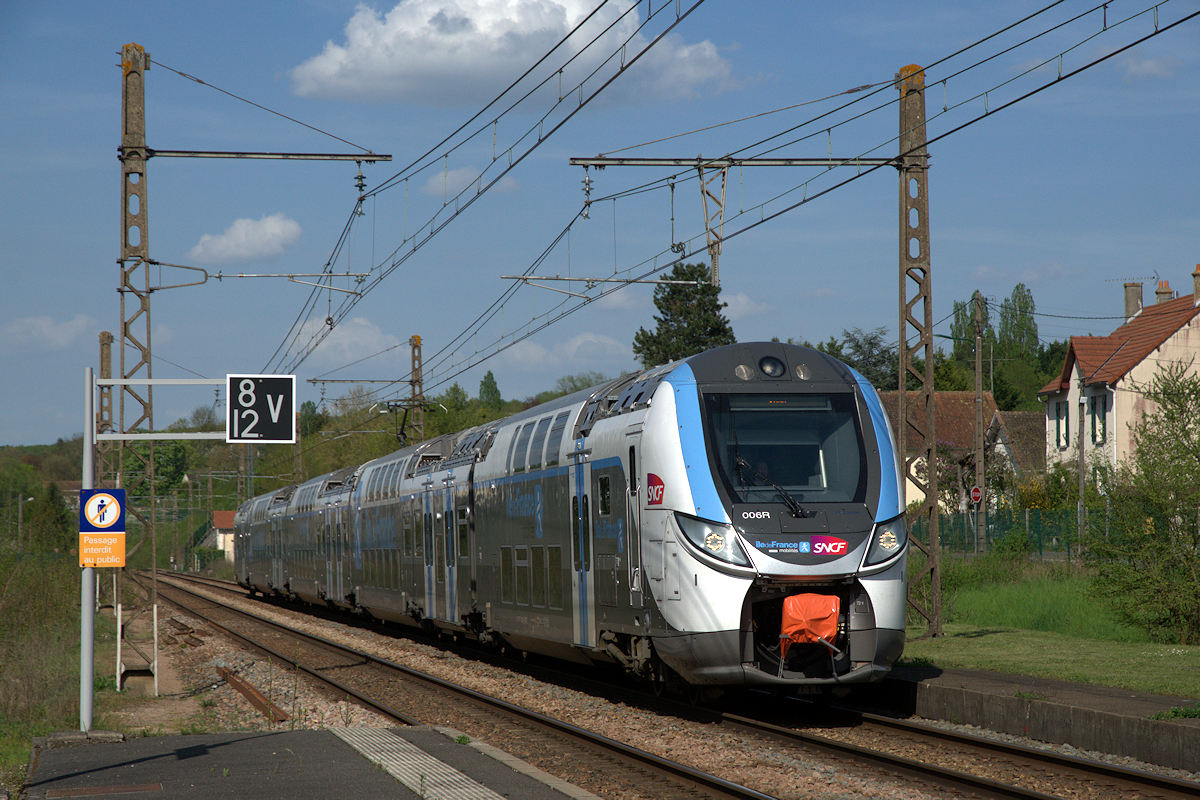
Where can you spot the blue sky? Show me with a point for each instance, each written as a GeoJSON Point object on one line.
{"type": "Point", "coordinates": [1090, 183]}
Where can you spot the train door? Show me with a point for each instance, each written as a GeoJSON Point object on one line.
{"type": "Point", "coordinates": [339, 553]}
{"type": "Point", "coordinates": [430, 537]}
{"type": "Point", "coordinates": [464, 556]}
{"type": "Point", "coordinates": [276, 538]}
{"type": "Point", "coordinates": [445, 566]}
{"type": "Point", "coordinates": [583, 622]}
{"type": "Point", "coordinates": [327, 548]}
{"type": "Point", "coordinates": [633, 510]}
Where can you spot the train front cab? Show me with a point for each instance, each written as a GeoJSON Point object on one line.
{"type": "Point", "coordinates": [786, 486]}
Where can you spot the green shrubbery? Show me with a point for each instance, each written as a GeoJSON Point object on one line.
{"type": "Point", "coordinates": [39, 650]}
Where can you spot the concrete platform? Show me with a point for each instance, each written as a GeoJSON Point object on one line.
{"type": "Point", "coordinates": [413, 763]}
{"type": "Point", "coordinates": [1098, 718]}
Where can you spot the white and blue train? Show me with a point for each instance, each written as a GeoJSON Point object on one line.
{"type": "Point", "coordinates": [733, 518]}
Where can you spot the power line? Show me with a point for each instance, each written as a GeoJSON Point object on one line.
{"type": "Point", "coordinates": [433, 226]}
{"type": "Point", "coordinates": [530, 329]}
{"type": "Point", "coordinates": [193, 78]}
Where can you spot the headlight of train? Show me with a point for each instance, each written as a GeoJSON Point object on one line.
{"type": "Point", "coordinates": [714, 539]}
{"type": "Point", "coordinates": [887, 540]}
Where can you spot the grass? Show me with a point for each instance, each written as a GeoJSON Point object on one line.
{"type": "Point", "coordinates": [1141, 667]}
{"type": "Point", "coordinates": [1044, 619]}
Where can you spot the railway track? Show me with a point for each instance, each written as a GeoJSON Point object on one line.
{"type": "Point", "coordinates": [934, 758]}
{"type": "Point", "coordinates": [587, 759]}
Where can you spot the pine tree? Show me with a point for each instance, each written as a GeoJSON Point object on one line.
{"type": "Point", "coordinates": [689, 319]}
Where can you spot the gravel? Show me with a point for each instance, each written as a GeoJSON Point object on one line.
{"type": "Point", "coordinates": [705, 746]}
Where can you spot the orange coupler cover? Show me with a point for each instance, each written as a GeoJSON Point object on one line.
{"type": "Point", "coordinates": [809, 618]}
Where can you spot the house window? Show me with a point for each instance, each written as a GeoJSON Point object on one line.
{"type": "Point", "coordinates": [1098, 408]}
{"type": "Point", "coordinates": [1062, 423]}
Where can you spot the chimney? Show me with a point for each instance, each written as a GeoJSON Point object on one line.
{"type": "Point", "coordinates": [1163, 293]}
{"type": "Point", "coordinates": [1196, 286]}
{"type": "Point", "coordinates": [1133, 300]}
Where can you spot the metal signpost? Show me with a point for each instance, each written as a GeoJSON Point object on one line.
{"type": "Point", "coordinates": [260, 410]}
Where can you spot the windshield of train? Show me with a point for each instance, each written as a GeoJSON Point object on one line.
{"type": "Point", "coordinates": [807, 445]}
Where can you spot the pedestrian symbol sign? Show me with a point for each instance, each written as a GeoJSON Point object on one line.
{"type": "Point", "coordinates": [102, 528]}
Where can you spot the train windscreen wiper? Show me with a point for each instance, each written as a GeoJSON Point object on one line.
{"type": "Point", "coordinates": [793, 505]}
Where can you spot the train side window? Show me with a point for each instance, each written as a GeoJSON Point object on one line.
{"type": "Point", "coordinates": [464, 544]}
{"type": "Point", "coordinates": [633, 473]}
{"type": "Point", "coordinates": [521, 559]}
{"type": "Point", "coordinates": [428, 531]}
{"type": "Point", "coordinates": [408, 539]}
{"type": "Point", "coordinates": [605, 495]}
{"type": "Point", "coordinates": [554, 577]}
{"type": "Point", "coordinates": [522, 451]}
{"type": "Point", "coordinates": [585, 530]}
{"type": "Point", "coordinates": [439, 572]}
{"type": "Point", "coordinates": [537, 566]}
{"type": "Point", "coordinates": [539, 440]}
{"type": "Point", "coordinates": [575, 533]}
{"type": "Point", "coordinates": [554, 443]}
{"type": "Point", "coordinates": [506, 575]}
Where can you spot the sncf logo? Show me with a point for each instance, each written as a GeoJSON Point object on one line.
{"type": "Point", "coordinates": [829, 546]}
{"type": "Point", "coordinates": [654, 489]}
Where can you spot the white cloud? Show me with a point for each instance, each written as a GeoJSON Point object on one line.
{"type": "Point", "coordinates": [353, 339]}
{"type": "Point", "coordinates": [46, 334]}
{"type": "Point", "coordinates": [247, 239]}
{"type": "Point", "coordinates": [464, 51]}
{"type": "Point", "coordinates": [1142, 68]}
{"type": "Point", "coordinates": [629, 298]}
{"type": "Point", "coordinates": [740, 306]}
{"type": "Point", "coordinates": [583, 352]}
{"type": "Point", "coordinates": [449, 183]}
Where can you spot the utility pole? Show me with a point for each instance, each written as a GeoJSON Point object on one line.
{"type": "Point", "coordinates": [104, 416]}
{"type": "Point", "coordinates": [134, 289]}
{"type": "Point", "coordinates": [418, 389]}
{"type": "Point", "coordinates": [135, 286]}
{"type": "Point", "coordinates": [980, 473]}
{"type": "Point", "coordinates": [1080, 510]}
{"type": "Point", "coordinates": [916, 314]}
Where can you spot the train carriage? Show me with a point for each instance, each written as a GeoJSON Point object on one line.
{"type": "Point", "coordinates": [732, 518]}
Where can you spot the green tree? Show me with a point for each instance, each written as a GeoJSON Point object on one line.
{"type": "Point", "coordinates": [568, 384]}
{"type": "Point", "coordinates": [689, 319]}
{"type": "Point", "coordinates": [1146, 562]}
{"type": "Point", "coordinates": [489, 393]}
{"type": "Point", "coordinates": [962, 330]}
{"type": "Point", "coordinates": [1018, 334]}
{"type": "Point", "coordinates": [311, 420]}
{"type": "Point", "coordinates": [869, 353]}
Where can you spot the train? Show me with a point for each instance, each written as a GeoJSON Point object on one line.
{"type": "Point", "coordinates": [734, 518]}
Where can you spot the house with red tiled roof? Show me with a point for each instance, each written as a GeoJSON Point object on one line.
{"type": "Point", "coordinates": [1018, 440]}
{"type": "Point", "coordinates": [954, 414]}
{"type": "Point", "coordinates": [222, 533]}
{"type": "Point", "coordinates": [1095, 401]}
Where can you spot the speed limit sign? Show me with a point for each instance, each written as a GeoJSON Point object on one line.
{"type": "Point", "coordinates": [262, 409]}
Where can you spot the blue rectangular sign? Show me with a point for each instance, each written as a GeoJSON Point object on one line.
{"type": "Point", "coordinates": [101, 510]}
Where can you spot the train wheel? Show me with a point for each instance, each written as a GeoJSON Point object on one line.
{"type": "Point", "coordinates": [659, 674]}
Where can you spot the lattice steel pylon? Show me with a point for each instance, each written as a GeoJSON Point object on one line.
{"type": "Point", "coordinates": [135, 287]}
{"type": "Point", "coordinates": [105, 467]}
{"type": "Point", "coordinates": [916, 315]}
{"type": "Point", "coordinates": [418, 389]}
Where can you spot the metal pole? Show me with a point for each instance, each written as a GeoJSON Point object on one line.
{"type": "Point", "coordinates": [980, 470]}
{"type": "Point", "coordinates": [1081, 512]}
{"type": "Point", "coordinates": [87, 621]}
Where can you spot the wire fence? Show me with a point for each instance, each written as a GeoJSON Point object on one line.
{"type": "Point", "coordinates": [1051, 534]}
